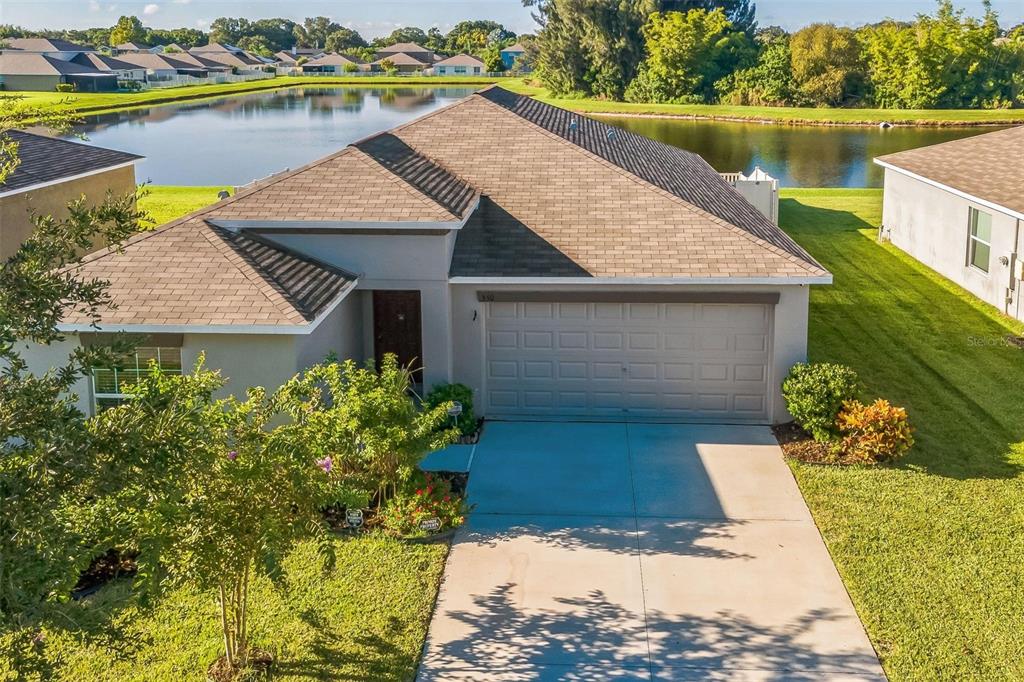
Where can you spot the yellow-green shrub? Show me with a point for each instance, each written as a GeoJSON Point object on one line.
{"type": "Point", "coordinates": [874, 433]}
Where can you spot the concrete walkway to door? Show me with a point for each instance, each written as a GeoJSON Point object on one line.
{"type": "Point", "coordinates": [640, 551]}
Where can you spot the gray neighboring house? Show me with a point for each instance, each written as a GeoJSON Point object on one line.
{"type": "Point", "coordinates": [42, 72]}
{"type": "Point", "coordinates": [958, 207]}
{"type": "Point", "coordinates": [459, 65]}
{"type": "Point", "coordinates": [592, 273]}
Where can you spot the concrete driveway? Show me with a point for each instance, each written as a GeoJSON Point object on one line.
{"type": "Point", "coordinates": [640, 551]}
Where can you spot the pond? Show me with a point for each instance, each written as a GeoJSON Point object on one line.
{"type": "Point", "coordinates": [239, 139]}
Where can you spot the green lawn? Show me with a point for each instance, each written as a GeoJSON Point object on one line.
{"type": "Point", "coordinates": [94, 103]}
{"type": "Point", "coordinates": [932, 549]}
{"type": "Point", "coordinates": [366, 620]}
{"type": "Point", "coordinates": [164, 203]}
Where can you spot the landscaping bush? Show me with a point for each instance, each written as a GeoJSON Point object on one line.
{"type": "Point", "coordinates": [446, 393]}
{"type": "Point", "coordinates": [815, 394]}
{"type": "Point", "coordinates": [874, 433]}
{"type": "Point", "coordinates": [66, 87]}
{"type": "Point", "coordinates": [424, 497]}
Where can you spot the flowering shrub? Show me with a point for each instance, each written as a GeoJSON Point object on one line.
{"type": "Point", "coordinates": [814, 395]}
{"type": "Point", "coordinates": [874, 433]}
{"type": "Point", "coordinates": [425, 497]}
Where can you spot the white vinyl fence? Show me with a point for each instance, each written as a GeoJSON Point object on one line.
{"type": "Point", "coordinates": [179, 80]}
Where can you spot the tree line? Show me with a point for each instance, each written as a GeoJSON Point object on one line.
{"type": "Point", "coordinates": [708, 51]}
{"type": "Point", "coordinates": [480, 37]}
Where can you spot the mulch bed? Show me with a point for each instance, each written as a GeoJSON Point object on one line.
{"type": "Point", "coordinates": [797, 444]}
{"type": "Point", "coordinates": [259, 662]}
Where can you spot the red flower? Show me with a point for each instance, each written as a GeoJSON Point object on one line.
{"type": "Point", "coordinates": [419, 491]}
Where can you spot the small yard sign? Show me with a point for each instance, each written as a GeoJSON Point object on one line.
{"type": "Point", "coordinates": [431, 525]}
{"type": "Point", "coordinates": [354, 518]}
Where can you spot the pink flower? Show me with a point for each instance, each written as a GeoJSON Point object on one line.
{"type": "Point", "coordinates": [324, 464]}
{"type": "Point", "coordinates": [233, 455]}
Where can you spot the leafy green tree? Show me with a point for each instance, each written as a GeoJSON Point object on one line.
{"type": "Point", "coordinates": [344, 40]}
{"type": "Point", "coordinates": [740, 13]}
{"type": "Point", "coordinates": [256, 44]}
{"type": "Point", "coordinates": [128, 29]}
{"type": "Point", "coordinates": [942, 60]}
{"type": "Point", "coordinates": [687, 54]}
{"type": "Point", "coordinates": [827, 66]}
{"type": "Point", "coordinates": [313, 31]}
{"type": "Point", "coordinates": [435, 40]}
{"type": "Point", "coordinates": [186, 37]}
{"type": "Point", "coordinates": [491, 57]}
{"type": "Point", "coordinates": [590, 47]}
{"type": "Point", "coordinates": [407, 34]}
{"type": "Point", "coordinates": [767, 83]}
{"type": "Point", "coordinates": [471, 37]}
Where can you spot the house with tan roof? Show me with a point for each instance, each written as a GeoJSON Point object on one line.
{"type": "Point", "coordinates": [402, 62]}
{"type": "Point", "coordinates": [333, 62]}
{"type": "Point", "coordinates": [411, 50]}
{"type": "Point", "coordinates": [586, 272]}
{"type": "Point", "coordinates": [459, 65]}
{"type": "Point", "coordinates": [958, 207]}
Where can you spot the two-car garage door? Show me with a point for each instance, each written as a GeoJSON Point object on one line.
{"type": "Point", "coordinates": [685, 361]}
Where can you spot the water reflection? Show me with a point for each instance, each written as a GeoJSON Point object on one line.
{"type": "Point", "coordinates": [237, 139]}
{"type": "Point", "coordinates": [800, 156]}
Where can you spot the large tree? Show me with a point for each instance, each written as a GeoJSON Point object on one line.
{"type": "Point", "coordinates": [128, 29]}
{"type": "Point", "coordinates": [186, 37]}
{"type": "Point", "coordinates": [313, 31]}
{"type": "Point", "coordinates": [473, 36]}
{"type": "Point", "coordinates": [740, 13]}
{"type": "Point", "coordinates": [827, 66]}
{"type": "Point", "coordinates": [344, 40]}
{"type": "Point", "coordinates": [406, 34]}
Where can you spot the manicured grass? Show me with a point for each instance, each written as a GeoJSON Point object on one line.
{"type": "Point", "coordinates": [94, 103]}
{"type": "Point", "coordinates": [164, 203]}
{"type": "Point", "coordinates": [365, 620]}
{"type": "Point", "coordinates": [931, 549]}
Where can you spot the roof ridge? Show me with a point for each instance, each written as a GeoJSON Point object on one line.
{"type": "Point", "coordinates": [776, 250]}
{"type": "Point", "coordinates": [397, 180]}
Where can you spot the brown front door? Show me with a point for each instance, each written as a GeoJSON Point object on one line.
{"type": "Point", "coordinates": [397, 328]}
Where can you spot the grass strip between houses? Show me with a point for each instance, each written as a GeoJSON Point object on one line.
{"type": "Point", "coordinates": [97, 103]}
{"type": "Point", "coordinates": [930, 549]}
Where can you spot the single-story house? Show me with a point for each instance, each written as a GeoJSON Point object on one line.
{"type": "Point", "coordinates": [404, 63]}
{"type": "Point", "coordinates": [958, 207]}
{"type": "Point", "coordinates": [41, 72]}
{"type": "Point", "coordinates": [332, 63]}
{"type": "Point", "coordinates": [135, 48]}
{"type": "Point", "coordinates": [289, 57]}
{"type": "Point", "coordinates": [459, 65]}
{"type": "Point", "coordinates": [583, 272]}
{"type": "Point", "coordinates": [120, 68]}
{"type": "Point", "coordinates": [228, 55]}
{"type": "Point", "coordinates": [165, 66]}
{"type": "Point", "coordinates": [510, 54]}
{"type": "Point", "coordinates": [53, 173]}
{"type": "Point", "coordinates": [416, 52]}
{"type": "Point", "coordinates": [51, 47]}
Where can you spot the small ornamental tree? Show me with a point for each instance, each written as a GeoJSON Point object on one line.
{"type": "Point", "coordinates": [368, 424]}
{"type": "Point", "coordinates": [388, 66]}
{"type": "Point", "coordinates": [219, 490]}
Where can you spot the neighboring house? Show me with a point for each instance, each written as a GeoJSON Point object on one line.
{"type": "Point", "coordinates": [42, 72]}
{"type": "Point", "coordinates": [120, 68]}
{"type": "Point", "coordinates": [52, 174]}
{"type": "Point", "coordinates": [165, 66]}
{"type": "Point", "coordinates": [593, 273]}
{"type": "Point", "coordinates": [51, 47]}
{"type": "Point", "coordinates": [331, 63]}
{"type": "Point", "coordinates": [136, 48]}
{"type": "Point", "coordinates": [199, 61]}
{"type": "Point", "coordinates": [416, 52]}
{"type": "Point", "coordinates": [459, 65]}
{"type": "Point", "coordinates": [228, 55]}
{"type": "Point", "coordinates": [510, 54]}
{"type": "Point", "coordinates": [958, 207]}
{"type": "Point", "coordinates": [404, 63]}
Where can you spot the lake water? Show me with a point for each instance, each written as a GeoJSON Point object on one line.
{"type": "Point", "coordinates": [235, 140]}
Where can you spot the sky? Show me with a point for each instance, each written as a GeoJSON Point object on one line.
{"type": "Point", "coordinates": [379, 17]}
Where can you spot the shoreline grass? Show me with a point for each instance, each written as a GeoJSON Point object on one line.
{"type": "Point", "coordinates": [929, 548]}
{"type": "Point", "coordinates": [100, 103]}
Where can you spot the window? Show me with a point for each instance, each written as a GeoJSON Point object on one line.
{"type": "Point", "coordinates": [108, 383]}
{"type": "Point", "coordinates": [980, 246]}
{"type": "Point", "coordinates": [460, 69]}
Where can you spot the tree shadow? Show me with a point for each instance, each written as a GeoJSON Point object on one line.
{"type": "Point", "coordinates": [918, 340]}
{"type": "Point", "coordinates": [588, 637]}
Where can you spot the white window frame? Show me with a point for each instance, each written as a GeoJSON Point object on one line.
{"type": "Point", "coordinates": [97, 395]}
{"type": "Point", "coordinates": [973, 239]}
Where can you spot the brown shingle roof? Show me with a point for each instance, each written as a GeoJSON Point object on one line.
{"type": "Point", "coordinates": [48, 159]}
{"type": "Point", "coordinates": [401, 59]}
{"type": "Point", "coordinates": [43, 45]}
{"type": "Point", "coordinates": [460, 60]}
{"type": "Point", "coordinates": [191, 273]}
{"type": "Point", "coordinates": [35, 64]}
{"type": "Point", "coordinates": [989, 166]}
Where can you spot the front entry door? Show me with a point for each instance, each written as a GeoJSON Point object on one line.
{"type": "Point", "coordinates": [397, 328]}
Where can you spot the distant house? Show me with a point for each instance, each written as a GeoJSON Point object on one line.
{"type": "Point", "coordinates": [404, 63]}
{"type": "Point", "coordinates": [163, 66]}
{"type": "Point", "coordinates": [332, 63]}
{"type": "Point", "coordinates": [41, 72]}
{"type": "Point", "coordinates": [958, 207]}
{"type": "Point", "coordinates": [136, 48]}
{"type": "Point", "coordinates": [459, 65]}
{"type": "Point", "coordinates": [174, 48]}
{"type": "Point", "coordinates": [411, 50]}
{"type": "Point", "coordinates": [229, 55]}
{"type": "Point", "coordinates": [124, 71]}
{"type": "Point", "coordinates": [51, 47]}
{"type": "Point", "coordinates": [510, 54]}
{"type": "Point", "coordinates": [53, 173]}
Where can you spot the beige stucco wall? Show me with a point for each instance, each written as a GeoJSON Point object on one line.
{"type": "Point", "coordinates": [341, 332]}
{"type": "Point", "coordinates": [931, 224]}
{"type": "Point", "coordinates": [789, 335]}
{"type": "Point", "coordinates": [15, 216]}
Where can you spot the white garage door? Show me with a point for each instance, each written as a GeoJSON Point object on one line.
{"type": "Point", "coordinates": [628, 360]}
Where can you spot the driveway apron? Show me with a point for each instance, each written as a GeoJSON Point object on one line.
{"type": "Point", "coordinates": [604, 551]}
